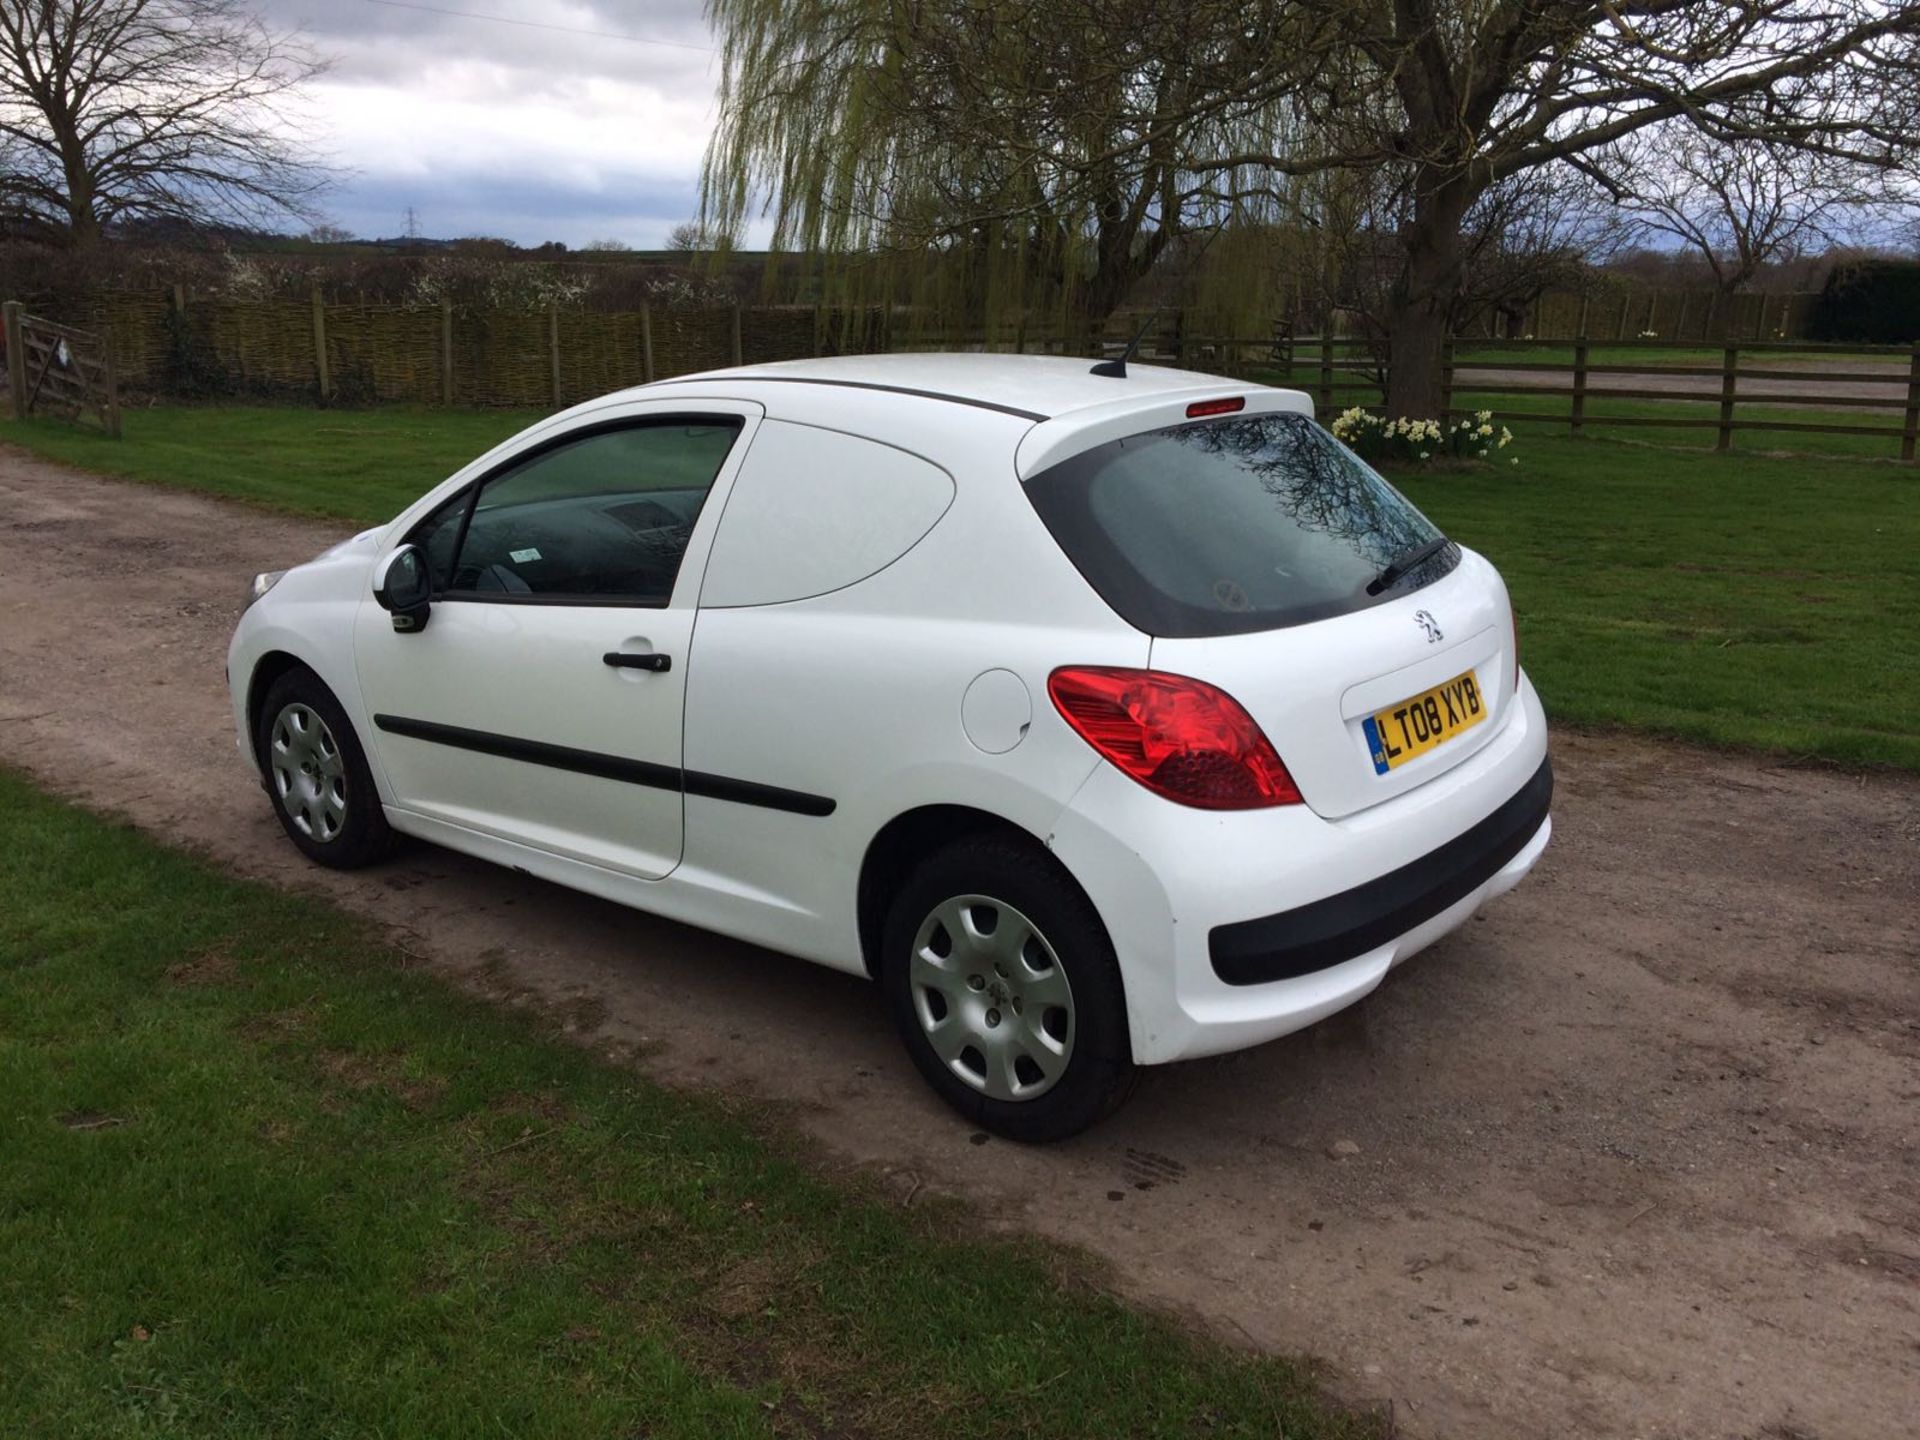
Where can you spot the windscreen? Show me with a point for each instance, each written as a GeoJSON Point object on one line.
{"type": "Point", "coordinates": [1226, 526]}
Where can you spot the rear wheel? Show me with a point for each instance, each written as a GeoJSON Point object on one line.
{"type": "Point", "coordinates": [317, 775]}
{"type": "Point", "coordinates": [1004, 987]}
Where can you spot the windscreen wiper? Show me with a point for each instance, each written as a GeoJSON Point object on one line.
{"type": "Point", "coordinates": [1405, 561]}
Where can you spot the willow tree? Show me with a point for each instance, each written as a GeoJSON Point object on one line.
{"type": "Point", "coordinates": [991, 147]}
{"type": "Point", "coordinates": [1076, 138]}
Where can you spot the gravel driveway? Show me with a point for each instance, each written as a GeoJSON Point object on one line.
{"type": "Point", "coordinates": [1639, 1151]}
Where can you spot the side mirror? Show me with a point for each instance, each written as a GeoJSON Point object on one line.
{"type": "Point", "coordinates": [404, 589]}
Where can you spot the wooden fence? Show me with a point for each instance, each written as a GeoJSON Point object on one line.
{"type": "Point", "coordinates": [442, 354]}
{"type": "Point", "coordinates": [1616, 313]}
{"type": "Point", "coordinates": [1628, 312]}
{"type": "Point", "coordinates": [177, 344]}
{"type": "Point", "coordinates": [1164, 337]}
{"type": "Point", "coordinates": [1690, 387]}
{"type": "Point", "coordinates": [173, 343]}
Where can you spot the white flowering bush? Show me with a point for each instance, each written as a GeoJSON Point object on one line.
{"type": "Point", "coordinates": [1649, 334]}
{"type": "Point", "coordinates": [496, 282]}
{"type": "Point", "coordinates": [1374, 437]}
{"type": "Point", "coordinates": [246, 278]}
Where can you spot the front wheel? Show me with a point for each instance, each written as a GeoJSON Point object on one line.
{"type": "Point", "coordinates": [317, 774]}
{"type": "Point", "coordinates": [1004, 987]}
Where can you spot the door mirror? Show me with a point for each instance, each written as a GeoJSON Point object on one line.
{"type": "Point", "coordinates": [403, 587]}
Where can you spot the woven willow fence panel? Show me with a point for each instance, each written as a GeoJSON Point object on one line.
{"type": "Point", "coordinates": [170, 343]}
{"type": "Point", "coordinates": [266, 345]}
{"type": "Point", "coordinates": [378, 352]}
{"type": "Point", "coordinates": [500, 357]}
{"type": "Point", "coordinates": [689, 340]}
{"type": "Point", "coordinates": [775, 334]}
{"type": "Point", "coordinates": [136, 326]}
{"type": "Point", "coordinates": [272, 348]}
{"type": "Point", "coordinates": [598, 352]}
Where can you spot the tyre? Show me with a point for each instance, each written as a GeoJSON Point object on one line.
{"type": "Point", "coordinates": [317, 775]}
{"type": "Point", "coordinates": [1004, 987]}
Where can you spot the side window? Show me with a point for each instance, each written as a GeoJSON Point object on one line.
{"type": "Point", "coordinates": [604, 517]}
{"type": "Point", "coordinates": [816, 510]}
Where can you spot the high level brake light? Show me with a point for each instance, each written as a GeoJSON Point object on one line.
{"type": "Point", "coordinates": [1199, 409]}
{"type": "Point", "coordinates": [1180, 737]}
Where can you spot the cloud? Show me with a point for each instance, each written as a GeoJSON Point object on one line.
{"type": "Point", "coordinates": [529, 133]}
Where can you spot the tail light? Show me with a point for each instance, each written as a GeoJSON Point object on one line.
{"type": "Point", "coordinates": [1179, 737]}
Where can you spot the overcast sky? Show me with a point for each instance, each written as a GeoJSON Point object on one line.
{"type": "Point", "coordinates": [490, 128]}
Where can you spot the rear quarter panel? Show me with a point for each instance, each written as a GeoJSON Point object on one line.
{"type": "Point", "coordinates": [857, 695]}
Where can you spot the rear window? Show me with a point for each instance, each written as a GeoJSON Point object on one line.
{"type": "Point", "coordinates": [1227, 526]}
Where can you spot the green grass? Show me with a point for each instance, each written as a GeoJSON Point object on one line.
{"type": "Point", "coordinates": [259, 1178]}
{"type": "Point", "coordinates": [1719, 598]}
{"type": "Point", "coordinates": [361, 466]}
{"type": "Point", "coordinates": [1732, 599]}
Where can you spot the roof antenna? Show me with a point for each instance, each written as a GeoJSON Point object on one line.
{"type": "Point", "coordinates": [1116, 368]}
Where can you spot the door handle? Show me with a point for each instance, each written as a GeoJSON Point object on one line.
{"type": "Point", "coordinates": [645, 660]}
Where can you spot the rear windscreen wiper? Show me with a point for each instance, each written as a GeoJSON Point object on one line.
{"type": "Point", "coordinates": [1406, 561]}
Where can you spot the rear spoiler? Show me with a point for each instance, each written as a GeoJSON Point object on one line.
{"type": "Point", "coordinates": [1052, 441]}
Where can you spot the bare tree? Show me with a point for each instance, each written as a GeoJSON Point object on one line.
{"type": "Point", "coordinates": [689, 238]}
{"type": "Point", "coordinates": [1537, 231]}
{"type": "Point", "coordinates": [1541, 230]}
{"type": "Point", "coordinates": [120, 110]}
{"type": "Point", "coordinates": [1243, 106]}
{"type": "Point", "coordinates": [608, 245]}
{"type": "Point", "coordinates": [1743, 204]}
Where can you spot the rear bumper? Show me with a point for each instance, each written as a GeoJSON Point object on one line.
{"type": "Point", "coordinates": [1235, 928]}
{"type": "Point", "coordinates": [1332, 931]}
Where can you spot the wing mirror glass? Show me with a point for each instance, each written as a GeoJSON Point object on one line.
{"type": "Point", "coordinates": [404, 588]}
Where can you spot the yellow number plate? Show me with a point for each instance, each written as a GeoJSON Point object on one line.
{"type": "Point", "coordinates": [1413, 727]}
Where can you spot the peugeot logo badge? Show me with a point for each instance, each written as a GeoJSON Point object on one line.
{"type": "Point", "coordinates": [1424, 619]}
